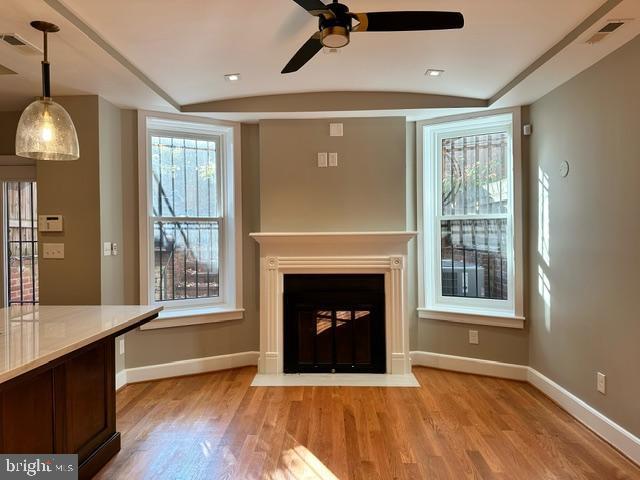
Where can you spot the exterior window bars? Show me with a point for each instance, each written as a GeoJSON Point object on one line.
{"type": "Point", "coordinates": [21, 226]}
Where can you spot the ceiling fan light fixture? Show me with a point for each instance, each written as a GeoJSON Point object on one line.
{"type": "Point", "coordinates": [335, 37]}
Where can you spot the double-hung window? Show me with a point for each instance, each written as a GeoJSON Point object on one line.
{"type": "Point", "coordinates": [189, 217]}
{"type": "Point", "coordinates": [470, 241]}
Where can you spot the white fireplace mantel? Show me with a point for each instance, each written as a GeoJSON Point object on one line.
{"type": "Point", "coordinates": [284, 253]}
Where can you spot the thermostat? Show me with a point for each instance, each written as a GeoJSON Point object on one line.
{"type": "Point", "coordinates": [50, 223]}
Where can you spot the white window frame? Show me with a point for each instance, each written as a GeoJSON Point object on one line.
{"type": "Point", "coordinates": [433, 305]}
{"type": "Point", "coordinates": [228, 305]}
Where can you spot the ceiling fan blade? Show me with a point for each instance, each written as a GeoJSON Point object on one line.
{"type": "Point", "coordinates": [306, 53]}
{"type": "Point", "coordinates": [315, 7]}
{"type": "Point", "coordinates": [407, 21]}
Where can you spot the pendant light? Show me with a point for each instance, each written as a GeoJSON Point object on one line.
{"type": "Point", "coordinates": [45, 130]}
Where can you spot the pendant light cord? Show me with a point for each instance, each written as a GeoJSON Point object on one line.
{"type": "Point", "coordinates": [46, 80]}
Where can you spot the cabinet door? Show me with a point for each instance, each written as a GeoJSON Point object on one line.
{"type": "Point", "coordinates": [85, 393]}
{"type": "Point", "coordinates": [26, 415]}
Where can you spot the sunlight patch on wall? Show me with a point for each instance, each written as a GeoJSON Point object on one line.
{"type": "Point", "coordinates": [544, 290]}
{"type": "Point", "coordinates": [543, 216]}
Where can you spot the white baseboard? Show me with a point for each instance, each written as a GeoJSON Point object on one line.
{"type": "Point", "coordinates": [470, 365]}
{"type": "Point", "coordinates": [607, 429]}
{"type": "Point", "coordinates": [624, 441]}
{"type": "Point", "coordinates": [121, 379]}
{"type": "Point", "coordinates": [187, 367]}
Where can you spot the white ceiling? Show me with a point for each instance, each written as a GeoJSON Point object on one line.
{"type": "Point", "coordinates": [187, 46]}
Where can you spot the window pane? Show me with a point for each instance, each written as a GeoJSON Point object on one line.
{"type": "Point", "coordinates": [474, 259]}
{"type": "Point", "coordinates": [474, 174]}
{"type": "Point", "coordinates": [185, 179]}
{"type": "Point", "coordinates": [186, 260]}
{"type": "Point", "coordinates": [22, 243]}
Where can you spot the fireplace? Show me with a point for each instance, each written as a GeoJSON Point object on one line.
{"type": "Point", "coordinates": [365, 271]}
{"type": "Point", "coordinates": [334, 323]}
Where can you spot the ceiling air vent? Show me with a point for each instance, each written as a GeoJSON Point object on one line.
{"type": "Point", "coordinates": [20, 44]}
{"type": "Point", "coordinates": [605, 31]}
{"type": "Point", "coordinates": [6, 71]}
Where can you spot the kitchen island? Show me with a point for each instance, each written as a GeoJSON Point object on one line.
{"type": "Point", "coordinates": [57, 379]}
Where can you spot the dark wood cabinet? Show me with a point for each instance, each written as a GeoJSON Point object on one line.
{"type": "Point", "coordinates": [65, 406]}
{"type": "Point", "coordinates": [27, 419]}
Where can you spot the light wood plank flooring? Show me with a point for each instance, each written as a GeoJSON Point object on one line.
{"type": "Point", "coordinates": [456, 426]}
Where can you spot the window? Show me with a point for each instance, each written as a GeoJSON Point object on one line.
{"type": "Point", "coordinates": [22, 242]}
{"type": "Point", "coordinates": [190, 216]}
{"type": "Point", "coordinates": [185, 215]}
{"type": "Point", "coordinates": [470, 250]}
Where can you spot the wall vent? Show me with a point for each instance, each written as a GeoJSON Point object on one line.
{"type": "Point", "coordinates": [610, 27]}
{"type": "Point", "coordinates": [20, 44]}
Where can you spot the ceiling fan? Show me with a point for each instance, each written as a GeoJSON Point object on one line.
{"type": "Point", "coordinates": [336, 24]}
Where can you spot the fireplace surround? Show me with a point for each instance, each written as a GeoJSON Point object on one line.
{"type": "Point", "coordinates": [355, 253]}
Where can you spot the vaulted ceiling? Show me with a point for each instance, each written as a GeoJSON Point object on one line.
{"type": "Point", "coordinates": [154, 53]}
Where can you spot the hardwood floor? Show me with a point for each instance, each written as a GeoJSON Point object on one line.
{"type": "Point", "coordinates": [456, 426]}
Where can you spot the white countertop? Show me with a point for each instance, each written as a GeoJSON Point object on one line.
{"type": "Point", "coordinates": [31, 336]}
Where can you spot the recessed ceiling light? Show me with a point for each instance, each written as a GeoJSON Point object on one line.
{"type": "Point", "coordinates": [232, 77]}
{"type": "Point", "coordinates": [433, 72]}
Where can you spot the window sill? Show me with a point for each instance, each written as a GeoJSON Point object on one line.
{"type": "Point", "coordinates": [495, 319]}
{"type": "Point", "coordinates": [193, 316]}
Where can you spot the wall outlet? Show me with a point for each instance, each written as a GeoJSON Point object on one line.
{"type": "Point", "coordinates": [114, 248]}
{"type": "Point", "coordinates": [121, 346]}
{"type": "Point", "coordinates": [473, 337]}
{"type": "Point", "coordinates": [53, 250]}
{"type": "Point", "coordinates": [322, 160]}
{"type": "Point", "coordinates": [601, 383]}
{"type": "Point", "coordinates": [107, 249]}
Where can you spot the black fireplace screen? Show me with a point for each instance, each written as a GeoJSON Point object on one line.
{"type": "Point", "coordinates": [334, 323]}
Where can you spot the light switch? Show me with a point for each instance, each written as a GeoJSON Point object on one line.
{"type": "Point", "coordinates": [322, 160]}
{"type": "Point", "coordinates": [53, 250]}
{"type": "Point", "coordinates": [333, 159]}
{"type": "Point", "coordinates": [106, 250]}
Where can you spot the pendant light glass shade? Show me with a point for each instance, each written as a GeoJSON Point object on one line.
{"type": "Point", "coordinates": [46, 132]}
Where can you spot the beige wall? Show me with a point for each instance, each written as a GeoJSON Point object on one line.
{"type": "Point", "coordinates": [8, 125]}
{"type": "Point", "coordinates": [591, 321]}
{"type": "Point", "coordinates": [366, 192]}
{"type": "Point", "coordinates": [111, 202]}
{"type": "Point", "coordinates": [112, 211]}
{"type": "Point", "coordinates": [73, 190]}
{"type": "Point", "coordinates": [129, 248]}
